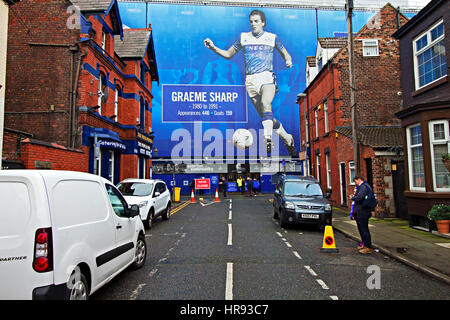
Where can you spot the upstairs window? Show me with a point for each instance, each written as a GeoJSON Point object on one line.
{"type": "Point", "coordinates": [103, 40]}
{"type": "Point", "coordinates": [370, 48]}
{"type": "Point", "coordinates": [429, 56]}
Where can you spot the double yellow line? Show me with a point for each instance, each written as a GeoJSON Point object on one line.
{"type": "Point", "coordinates": [181, 206]}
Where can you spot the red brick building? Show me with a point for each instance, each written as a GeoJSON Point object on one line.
{"type": "Point", "coordinates": [79, 84]}
{"type": "Point", "coordinates": [325, 112]}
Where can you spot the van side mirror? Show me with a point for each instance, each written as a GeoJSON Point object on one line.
{"type": "Point", "coordinates": [156, 195]}
{"type": "Point", "coordinates": [328, 195]}
{"type": "Point", "coordinates": [133, 211]}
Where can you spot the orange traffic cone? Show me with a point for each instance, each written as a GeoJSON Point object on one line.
{"type": "Point", "coordinates": [216, 199]}
{"type": "Point", "coordinates": [192, 196]}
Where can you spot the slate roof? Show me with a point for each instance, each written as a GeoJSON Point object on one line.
{"type": "Point", "coordinates": [376, 137]}
{"type": "Point", "coordinates": [92, 5]}
{"type": "Point", "coordinates": [332, 43]}
{"type": "Point", "coordinates": [134, 44]}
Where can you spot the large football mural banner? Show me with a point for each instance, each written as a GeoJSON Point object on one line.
{"type": "Point", "coordinates": [229, 76]}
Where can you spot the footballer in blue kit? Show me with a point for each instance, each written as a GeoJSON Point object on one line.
{"type": "Point", "coordinates": [258, 47]}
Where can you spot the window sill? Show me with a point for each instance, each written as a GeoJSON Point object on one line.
{"type": "Point", "coordinates": [430, 86]}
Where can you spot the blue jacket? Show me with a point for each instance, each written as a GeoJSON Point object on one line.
{"type": "Point", "coordinates": [361, 193]}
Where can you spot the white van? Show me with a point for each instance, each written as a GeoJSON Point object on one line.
{"type": "Point", "coordinates": [64, 234]}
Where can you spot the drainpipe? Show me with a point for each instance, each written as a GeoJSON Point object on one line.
{"type": "Point", "coordinates": [74, 100]}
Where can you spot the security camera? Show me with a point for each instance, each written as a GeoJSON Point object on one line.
{"type": "Point", "coordinates": [399, 93]}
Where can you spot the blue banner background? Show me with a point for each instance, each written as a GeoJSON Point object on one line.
{"type": "Point", "coordinates": [182, 59]}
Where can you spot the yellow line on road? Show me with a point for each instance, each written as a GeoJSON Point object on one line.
{"type": "Point", "coordinates": [181, 206]}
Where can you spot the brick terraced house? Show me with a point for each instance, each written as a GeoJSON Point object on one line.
{"type": "Point", "coordinates": [79, 94]}
{"type": "Point", "coordinates": [425, 113]}
{"type": "Point", "coordinates": [325, 114]}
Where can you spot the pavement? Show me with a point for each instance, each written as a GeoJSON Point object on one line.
{"type": "Point", "coordinates": [425, 251]}
{"type": "Point", "coordinates": [428, 252]}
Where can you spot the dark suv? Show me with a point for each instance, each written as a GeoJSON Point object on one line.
{"type": "Point", "coordinates": [301, 200]}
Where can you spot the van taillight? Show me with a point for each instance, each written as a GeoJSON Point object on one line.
{"type": "Point", "coordinates": [43, 250]}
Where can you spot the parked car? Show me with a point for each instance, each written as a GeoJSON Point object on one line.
{"type": "Point", "coordinates": [301, 200]}
{"type": "Point", "coordinates": [152, 197]}
{"type": "Point", "coordinates": [64, 234]}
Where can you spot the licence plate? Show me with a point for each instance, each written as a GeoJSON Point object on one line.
{"type": "Point", "coordinates": [310, 216]}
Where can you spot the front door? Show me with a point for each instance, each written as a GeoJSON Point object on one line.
{"type": "Point", "coordinates": [398, 181]}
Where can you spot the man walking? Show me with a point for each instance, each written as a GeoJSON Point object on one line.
{"type": "Point", "coordinates": [363, 214]}
{"type": "Point", "coordinates": [260, 83]}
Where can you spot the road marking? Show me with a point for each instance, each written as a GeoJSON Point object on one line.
{"type": "Point", "coordinates": [230, 235]}
{"type": "Point", "coordinates": [311, 271]}
{"type": "Point", "coordinates": [288, 244]}
{"type": "Point", "coordinates": [229, 282]}
{"type": "Point", "coordinates": [137, 291]}
{"type": "Point", "coordinates": [230, 205]}
{"type": "Point", "coordinates": [322, 284]}
{"type": "Point", "coordinates": [279, 234]}
{"type": "Point", "coordinates": [296, 254]}
{"type": "Point", "coordinates": [230, 215]}
{"type": "Point", "coordinates": [153, 272]}
{"type": "Point", "coordinates": [334, 298]}
{"type": "Point", "coordinates": [181, 206]}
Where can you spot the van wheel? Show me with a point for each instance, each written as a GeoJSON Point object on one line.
{"type": "Point", "coordinates": [149, 221]}
{"type": "Point", "coordinates": [78, 287]}
{"type": "Point", "coordinates": [140, 253]}
{"type": "Point", "coordinates": [166, 215]}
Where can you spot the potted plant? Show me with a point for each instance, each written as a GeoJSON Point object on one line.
{"type": "Point", "coordinates": [440, 214]}
{"type": "Point", "coordinates": [446, 160]}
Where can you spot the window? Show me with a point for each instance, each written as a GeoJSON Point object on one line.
{"type": "Point", "coordinates": [370, 48]}
{"type": "Point", "coordinates": [439, 144]}
{"type": "Point", "coordinates": [103, 40]}
{"type": "Point", "coordinates": [316, 122]}
{"type": "Point", "coordinates": [116, 104]}
{"type": "Point", "coordinates": [351, 171]}
{"type": "Point", "coordinates": [415, 157]}
{"type": "Point", "coordinates": [318, 167]}
{"type": "Point", "coordinates": [429, 56]}
{"type": "Point", "coordinates": [325, 114]}
{"type": "Point", "coordinates": [118, 203]}
{"type": "Point", "coordinates": [111, 166]}
{"type": "Point", "coordinates": [328, 167]}
{"type": "Point", "coordinates": [98, 161]}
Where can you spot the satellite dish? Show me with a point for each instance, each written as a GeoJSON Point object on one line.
{"type": "Point", "coordinates": [105, 94]}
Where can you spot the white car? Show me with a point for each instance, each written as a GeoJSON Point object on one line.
{"type": "Point", "coordinates": [64, 234]}
{"type": "Point", "coordinates": [152, 197]}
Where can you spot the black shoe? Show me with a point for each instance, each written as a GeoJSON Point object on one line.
{"type": "Point", "coordinates": [269, 146]}
{"type": "Point", "coordinates": [291, 148]}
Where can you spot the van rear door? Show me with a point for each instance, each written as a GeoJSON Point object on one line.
{"type": "Point", "coordinates": [23, 210]}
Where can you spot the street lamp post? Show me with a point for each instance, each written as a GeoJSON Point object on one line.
{"type": "Point", "coordinates": [353, 105]}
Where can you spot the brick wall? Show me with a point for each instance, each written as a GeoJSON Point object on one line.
{"type": "Point", "coordinates": [39, 65]}
{"type": "Point", "coordinates": [39, 155]}
{"type": "Point", "coordinates": [377, 78]}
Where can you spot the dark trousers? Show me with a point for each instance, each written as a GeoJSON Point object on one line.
{"type": "Point", "coordinates": [363, 227]}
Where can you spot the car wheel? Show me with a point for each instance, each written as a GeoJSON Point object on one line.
{"type": "Point", "coordinates": [166, 214]}
{"type": "Point", "coordinates": [78, 287]}
{"type": "Point", "coordinates": [140, 253]}
{"type": "Point", "coordinates": [283, 220]}
{"type": "Point", "coordinates": [149, 221]}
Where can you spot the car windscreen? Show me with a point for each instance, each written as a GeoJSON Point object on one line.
{"type": "Point", "coordinates": [137, 189]}
{"type": "Point", "coordinates": [305, 189]}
